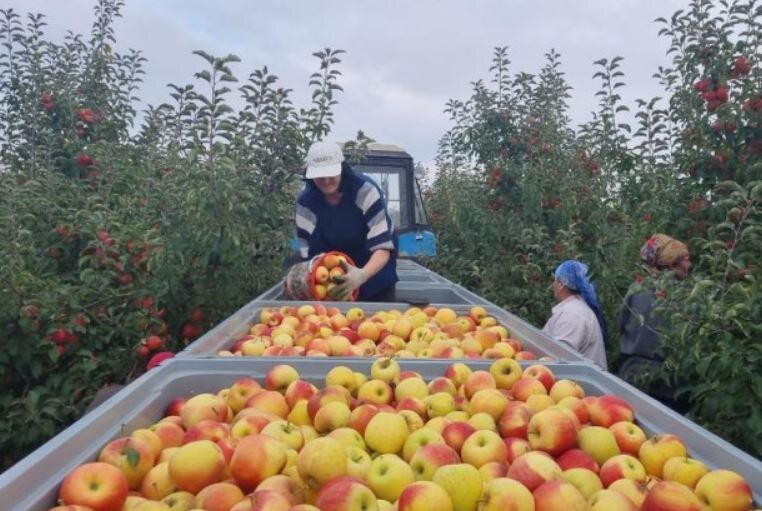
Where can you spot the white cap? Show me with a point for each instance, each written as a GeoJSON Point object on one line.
{"type": "Point", "coordinates": [324, 160]}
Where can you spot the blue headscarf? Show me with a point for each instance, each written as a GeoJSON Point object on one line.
{"type": "Point", "coordinates": [573, 274]}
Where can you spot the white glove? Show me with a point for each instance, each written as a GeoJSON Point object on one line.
{"type": "Point", "coordinates": [346, 284]}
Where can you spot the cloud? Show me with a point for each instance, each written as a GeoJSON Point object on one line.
{"type": "Point", "coordinates": [404, 59]}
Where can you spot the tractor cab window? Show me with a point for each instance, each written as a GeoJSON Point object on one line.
{"type": "Point", "coordinates": [389, 182]}
{"type": "Point", "coordinates": [420, 211]}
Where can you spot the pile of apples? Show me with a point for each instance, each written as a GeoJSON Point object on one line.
{"type": "Point", "coordinates": [328, 267]}
{"type": "Point", "coordinates": [318, 331]}
{"type": "Point", "coordinates": [503, 439]}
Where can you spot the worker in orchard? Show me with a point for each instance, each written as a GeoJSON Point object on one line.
{"type": "Point", "coordinates": [640, 359]}
{"type": "Point", "coordinates": [577, 318]}
{"type": "Point", "coordinates": [340, 209]}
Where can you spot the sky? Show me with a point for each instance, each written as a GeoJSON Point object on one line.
{"type": "Point", "coordinates": [404, 59]}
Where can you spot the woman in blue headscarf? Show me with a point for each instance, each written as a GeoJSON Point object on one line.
{"type": "Point", "coordinates": [577, 319]}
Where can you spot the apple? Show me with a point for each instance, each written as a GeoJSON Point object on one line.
{"type": "Point", "coordinates": [219, 497]}
{"type": "Point", "coordinates": [672, 496]}
{"type": "Point", "coordinates": [413, 419]}
{"type": "Point", "coordinates": [633, 490]}
{"type": "Point", "coordinates": [134, 457]}
{"type": "Point", "coordinates": [655, 452]}
{"type": "Point", "coordinates": [540, 402]}
{"type": "Point", "coordinates": [457, 373]}
{"type": "Point", "coordinates": [331, 416]}
{"type": "Point", "coordinates": [685, 471]}
{"type": "Point", "coordinates": [327, 395]}
{"type": "Point", "coordinates": [411, 388]}
{"type": "Point", "coordinates": [483, 447]}
{"type": "Point", "coordinates": [566, 388]}
{"type": "Point", "coordinates": [586, 481]}
{"type": "Point", "coordinates": [463, 484]}
{"type": "Point", "coordinates": [598, 442]}
{"type": "Point", "coordinates": [370, 330]}
{"type": "Point", "coordinates": [577, 458]}
{"type": "Point", "coordinates": [426, 461]}
{"type": "Point", "coordinates": [483, 421]}
{"type": "Point", "coordinates": [622, 466]}
{"type": "Point", "coordinates": [388, 475]}
{"type": "Point", "coordinates": [506, 372]}
{"type": "Point", "coordinates": [386, 433]}
{"type": "Point", "coordinates": [203, 407]}
{"type": "Point", "coordinates": [270, 401]}
{"type": "Point", "coordinates": [263, 500]}
{"type": "Point", "coordinates": [515, 420]}
{"type": "Point", "coordinates": [493, 470]}
{"type": "Point", "coordinates": [207, 430]}
{"type": "Point", "coordinates": [543, 374]}
{"type": "Point", "coordinates": [289, 487]}
{"type": "Point", "coordinates": [180, 501]}
{"type": "Point", "coordinates": [412, 404]}
{"type": "Point", "coordinates": [629, 437]}
{"type": "Point", "coordinates": [322, 460]}
{"type": "Point", "coordinates": [170, 435]}
{"type": "Point", "coordinates": [478, 380]}
{"type": "Point", "coordinates": [442, 384]}
{"type": "Point", "coordinates": [346, 494]}
{"type": "Point", "coordinates": [610, 500]}
{"type": "Point", "coordinates": [375, 391]}
{"type": "Point", "coordinates": [157, 483]}
{"type": "Point", "coordinates": [360, 416]}
{"type": "Point", "coordinates": [299, 390]}
{"type": "Point", "coordinates": [348, 437]}
{"type": "Point", "coordinates": [337, 344]}
{"type": "Point", "coordinates": [527, 386]}
{"type": "Point", "coordinates": [577, 406]}
{"type": "Point", "coordinates": [424, 496]}
{"type": "Point", "coordinates": [358, 461]}
{"type": "Point", "coordinates": [419, 438]}
{"type": "Point", "coordinates": [98, 486]}
{"type": "Point", "coordinates": [724, 490]}
{"type": "Point", "coordinates": [607, 410]}
{"type": "Point", "coordinates": [516, 447]}
{"type": "Point", "coordinates": [439, 404]}
{"type": "Point", "coordinates": [455, 433]}
{"type": "Point", "coordinates": [558, 494]}
{"type": "Point", "coordinates": [506, 494]}
{"type": "Point", "coordinates": [289, 434]}
{"type": "Point", "coordinates": [490, 401]}
{"type": "Point", "coordinates": [534, 468]}
{"type": "Point", "coordinates": [552, 431]}
{"type": "Point", "coordinates": [256, 458]}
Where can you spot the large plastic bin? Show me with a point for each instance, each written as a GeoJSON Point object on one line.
{"type": "Point", "coordinates": [226, 333]}
{"type": "Point", "coordinates": [421, 289]}
{"type": "Point", "coordinates": [31, 485]}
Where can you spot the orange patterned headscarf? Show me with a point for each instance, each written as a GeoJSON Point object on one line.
{"type": "Point", "coordinates": [662, 251]}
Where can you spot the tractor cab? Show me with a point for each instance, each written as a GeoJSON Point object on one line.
{"type": "Point", "coordinates": [393, 169]}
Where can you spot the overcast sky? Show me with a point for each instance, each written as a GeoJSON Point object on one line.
{"type": "Point", "coordinates": [404, 59]}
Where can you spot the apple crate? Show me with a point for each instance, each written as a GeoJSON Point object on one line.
{"type": "Point", "coordinates": [32, 484]}
{"type": "Point", "coordinates": [226, 333]}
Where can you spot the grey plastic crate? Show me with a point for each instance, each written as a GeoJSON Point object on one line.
{"type": "Point", "coordinates": [31, 485]}
{"type": "Point", "coordinates": [409, 291]}
{"type": "Point", "coordinates": [225, 334]}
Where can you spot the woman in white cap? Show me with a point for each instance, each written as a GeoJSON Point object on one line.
{"type": "Point", "coordinates": [342, 210]}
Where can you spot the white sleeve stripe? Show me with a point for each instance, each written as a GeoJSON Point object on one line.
{"type": "Point", "coordinates": [386, 245]}
{"type": "Point", "coordinates": [367, 196]}
{"type": "Point", "coordinates": [378, 225]}
{"type": "Point", "coordinates": [305, 219]}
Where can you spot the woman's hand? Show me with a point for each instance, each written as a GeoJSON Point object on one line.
{"type": "Point", "coordinates": [346, 284]}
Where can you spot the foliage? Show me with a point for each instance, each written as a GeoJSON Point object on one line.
{"type": "Point", "coordinates": [518, 190]}
{"type": "Point", "coordinates": [115, 233]}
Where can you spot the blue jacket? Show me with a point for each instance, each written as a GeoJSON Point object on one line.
{"type": "Point", "coordinates": [357, 226]}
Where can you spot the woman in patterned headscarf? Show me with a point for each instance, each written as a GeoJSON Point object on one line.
{"type": "Point", "coordinates": [662, 252]}
{"type": "Point", "coordinates": [638, 327]}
